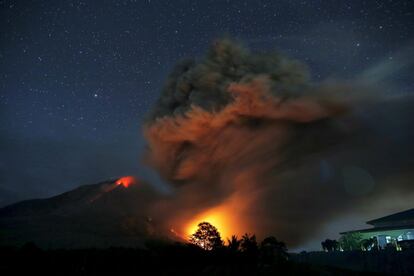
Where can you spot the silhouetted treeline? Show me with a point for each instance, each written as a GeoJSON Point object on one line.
{"type": "Point", "coordinates": [159, 258]}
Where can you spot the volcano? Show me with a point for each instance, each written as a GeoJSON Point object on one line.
{"type": "Point", "coordinates": [110, 213]}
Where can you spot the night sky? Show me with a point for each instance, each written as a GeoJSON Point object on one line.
{"type": "Point", "coordinates": [77, 78]}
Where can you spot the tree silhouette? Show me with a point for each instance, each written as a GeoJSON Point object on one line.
{"type": "Point", "coordinates": [273, 250]}
{"type": "Point", "coordinates": [233, 244]}
{"type": "Point", "coordinates": [330, 245]}
{"type": "Point", "coordinates": [207, 236]}
{"type": "Point", "coordinates": [249, 248]}
{"type": "Point", "coordinates": [335, 245]}
{"type": "Point", "coordinates": [351, 241]}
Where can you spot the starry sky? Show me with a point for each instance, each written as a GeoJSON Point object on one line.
{"type": "Point", "coordinates": [77, 78]}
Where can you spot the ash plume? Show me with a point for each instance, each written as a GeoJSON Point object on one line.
{"type": "Point", "coordinates": [283, 156]}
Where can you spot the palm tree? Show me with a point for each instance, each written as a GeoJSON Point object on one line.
{"type": "Point", "coordinates": [248, 242]}
{"type": "Point", "coordinates": [249, 248]}
{"type": "Point", "coordinates": [233, 244]}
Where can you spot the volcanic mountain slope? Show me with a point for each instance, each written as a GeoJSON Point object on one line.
{"type": "Point", "coordinates": [8, 197]}
{"type": "Point", "coordinates": [109, 213]}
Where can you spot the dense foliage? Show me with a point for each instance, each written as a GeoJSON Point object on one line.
{"type": "Point", "coordinates": [207, 236]}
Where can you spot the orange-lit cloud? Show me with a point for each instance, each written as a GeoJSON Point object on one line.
{"type": "Point", "coordinates": [213, 156]}
{"type": "Point", "coordinates": [241, 138]}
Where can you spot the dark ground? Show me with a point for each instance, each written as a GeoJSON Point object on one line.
{"type": "Point", "coordinates": [389, 261]}
{"type": "Point", "coordinates": [158, 259]}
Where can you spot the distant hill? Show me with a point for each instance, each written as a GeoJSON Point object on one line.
{"type": "Point", "coordinates": [8, 197]}
{"type": "Point", "coordinates": [99, 215]}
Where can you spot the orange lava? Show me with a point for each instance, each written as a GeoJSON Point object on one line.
{"type": "Point", "coordinates": [126, 181]}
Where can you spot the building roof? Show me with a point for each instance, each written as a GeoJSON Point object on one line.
{"type": "Point", "coordinates": [407, 215]}
{"type": "Point", "coordinates": [379, 229]}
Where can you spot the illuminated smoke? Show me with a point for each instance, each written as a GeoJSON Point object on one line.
{"type": "Point", "coordinates": [245, 135]}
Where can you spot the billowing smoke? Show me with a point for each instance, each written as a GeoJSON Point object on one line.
{"type": "Point", "coordinates": [249, 134]}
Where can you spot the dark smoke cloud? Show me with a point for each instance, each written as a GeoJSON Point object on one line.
{"type": "Point", "coordinates": [205, 84]}
{"type": "Point", "coordinates": [282, 156]}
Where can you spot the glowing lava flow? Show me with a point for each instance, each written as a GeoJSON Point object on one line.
{"type": "Point", "coordinates": [126, 181]}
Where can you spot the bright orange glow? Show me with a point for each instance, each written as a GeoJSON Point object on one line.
{"type": "Point", "coordinates": [126, 181]}
{"type": "Point", "coordinates": [220, 217]}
